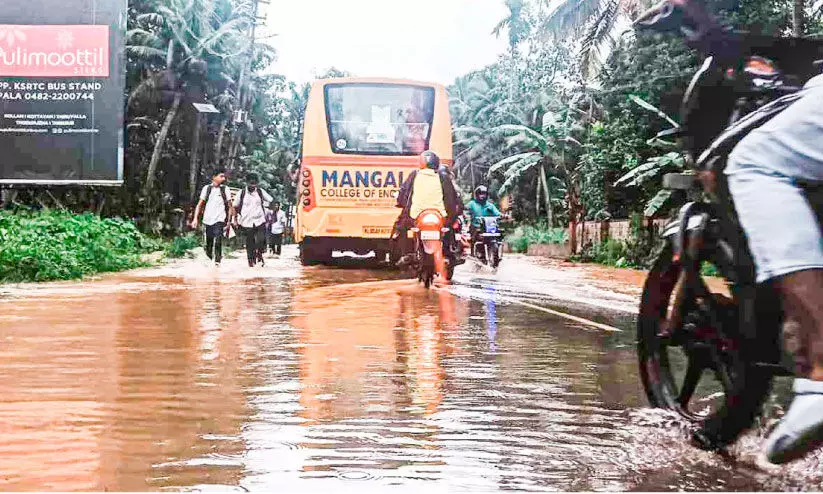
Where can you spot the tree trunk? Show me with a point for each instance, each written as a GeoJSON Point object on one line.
{"type": "Point", "coordinates": [575, 217]}
{"type": "Point", "coordinates": [234, 148]}
{"type": "Point", "coordinates": [537, 200]}
{"type": "Point", "coordinates": [194, 167]}
{"type": "Point", "coordinates": [798, 17]}
{"type": "Point", "coordinates": [161, 139]}
{"type": "Point", "coordinates": [548, 197]}
{"type": "Point", "coordinates": [218, 148]}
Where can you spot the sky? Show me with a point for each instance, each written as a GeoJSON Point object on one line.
{"type": "Point", "coordinates": [429, 40]}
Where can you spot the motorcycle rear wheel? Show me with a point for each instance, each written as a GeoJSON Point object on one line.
{"type": "Point", "coordinates": [709, 339]}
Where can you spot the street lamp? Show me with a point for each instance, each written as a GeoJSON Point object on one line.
{"type": "Point", "coordinates": [194, 170]}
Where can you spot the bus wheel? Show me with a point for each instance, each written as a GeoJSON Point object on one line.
{"type": "Point", "coordinates": [307, 256]}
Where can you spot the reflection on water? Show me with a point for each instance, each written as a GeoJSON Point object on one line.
{"type": "Point", "coordinates": [331, 377]}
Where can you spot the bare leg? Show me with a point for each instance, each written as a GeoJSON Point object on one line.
{"type": "Point", "coordinates": [803, 297]}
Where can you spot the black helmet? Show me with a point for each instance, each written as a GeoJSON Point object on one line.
{"type": "Point", "coordinates": [429, 160]}
{"type": "Point", "coordinates": [481, 189]}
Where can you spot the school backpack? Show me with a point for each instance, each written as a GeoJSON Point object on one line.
{"type": "Point", "coordinates": [243, 197]}
{"type": "Point", "coordinates": [223, 195]}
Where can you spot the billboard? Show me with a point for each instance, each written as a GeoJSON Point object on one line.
{"type": "Point", "coordinates": [62, 85]}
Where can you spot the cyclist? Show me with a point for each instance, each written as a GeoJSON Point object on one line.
{"type": "Point", "coordinates": [765, 172]}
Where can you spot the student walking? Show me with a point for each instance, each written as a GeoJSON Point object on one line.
{"type": "Point", "coordinates": [250, 205]}
{"type": "Point", "coordinates": [217, 209]}
{"type": "Point", "coordinates": [276, 219]}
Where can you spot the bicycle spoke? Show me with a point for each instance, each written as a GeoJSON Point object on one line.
{"type": "Point", "coordinates": [693, 374]}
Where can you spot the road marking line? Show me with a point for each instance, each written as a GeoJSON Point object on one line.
{"type": "Point", "coordinates": [581, 320]}
{"type": "Point", "coordinates": [570, 317]}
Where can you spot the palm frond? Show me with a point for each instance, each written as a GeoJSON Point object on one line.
{"type": "Point", "coordinates": [569, 16]}
{"type": "Point", "coordinates": [652, 168]}
{"type": "Point", "coordinates": [152, 19]}
{"type": "Point", "coordinates": [657, 111]}
{"type": "Point", "coordinates": [145, 122]}
{"type": "Point", "coordinates": [657, 202]}
{"type": "Point", "coordinates": [598, 33]}
{"type": "Point", "coordinates": [145, 52]}
{"type": "Point", "coordinates": [506, 162]}
{"type": "Point", "coordinates": [508, 129]}
{"type": "Point", "coordinates": [515, 174]}
{"type": "Point", "coordinates": [139, 36]}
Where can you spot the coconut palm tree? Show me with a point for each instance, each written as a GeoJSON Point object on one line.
{"type": "Point", "coordinates": [183, 46]}
{"type": "Point", "coordinates": [516, 23]}
{"type": "Point", "coordinates": [599, 21]}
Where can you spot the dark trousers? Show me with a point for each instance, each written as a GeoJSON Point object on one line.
{"type": "Point", "coordinates": [214, 241]}
{"type": "Point", "coordinates": [255, 242]}
{"type": "Point", "coordinates": [276, 243]}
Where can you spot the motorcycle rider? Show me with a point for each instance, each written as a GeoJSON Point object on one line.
{"type": "Point", "coordinates": [478, 208]}
{"type": "Point", "coordinates": [765, 173]}
{"type": "Point", "coordinates": [429, 187]}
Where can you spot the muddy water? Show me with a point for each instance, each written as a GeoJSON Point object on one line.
{"type": "Point", "coordinates": [189, 377]}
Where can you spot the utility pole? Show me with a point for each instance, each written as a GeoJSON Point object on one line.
{"type": "Point", "coordinates": [242, 93]}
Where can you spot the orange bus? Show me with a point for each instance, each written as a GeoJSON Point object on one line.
{"type": "Point", "coordinates": [361, 139]}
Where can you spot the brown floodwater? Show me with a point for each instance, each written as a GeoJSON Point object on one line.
{"type": "Point", "coordinates": [190, 377]}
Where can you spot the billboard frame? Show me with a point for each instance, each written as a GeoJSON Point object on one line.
{"type": "Point", "coordinates": [117, 24]}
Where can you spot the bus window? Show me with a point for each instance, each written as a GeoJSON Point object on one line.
{"type": "Point", "coordinates": [379, 119]}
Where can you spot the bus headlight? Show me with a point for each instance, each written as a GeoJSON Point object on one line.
{"type": "Point", "coordinates": [306, 192]}
{"type": "Point", "coordinates": [307, 202]}
{"type": "Point", "coordinates": [306, 183]}
{"type": "Point", "coordinates": [306, 173]}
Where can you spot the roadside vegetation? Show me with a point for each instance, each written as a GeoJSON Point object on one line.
{"type": "Point", "coordinates": [41, 246]}
{"type": "Point", "coordinates": [526, 235]}
{"type": "Point", "coordinates": [563, 125]}
{"type": "Point", "coordinates": [59, 245]}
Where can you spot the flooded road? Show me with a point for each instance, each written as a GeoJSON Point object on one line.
{"type": "Point", "coordinates": [188, 377]}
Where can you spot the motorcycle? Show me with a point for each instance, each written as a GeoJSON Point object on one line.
{"type": "Point", "coordinates": [429, 232]}
{"type": "Point", "coordinates": [687, 333]}
{"type": "Point", "coordinates": [487, 247]}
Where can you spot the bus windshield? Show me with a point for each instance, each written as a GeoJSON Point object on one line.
{"type": "Point", "coordinates": [381, 119]}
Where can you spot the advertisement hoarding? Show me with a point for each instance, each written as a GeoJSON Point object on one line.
{"type": "Point", "coordinates": [62, 85]}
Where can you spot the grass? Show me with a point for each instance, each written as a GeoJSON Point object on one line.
{"type": "Point", "coordinates": [56, 245]}
{"type": "Point", "coordinates": [525, 235]}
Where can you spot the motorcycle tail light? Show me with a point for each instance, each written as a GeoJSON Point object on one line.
{"type": "Point", "coordinates": [430, 219]}
{"type": "Point", "coordinates": [760, 66]}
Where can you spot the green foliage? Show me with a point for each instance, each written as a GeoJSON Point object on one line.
{"type": "Point", "coordinates": [180, 246]}
{"type": "Point", "coordinates": [59, 246]}
{"type": "Point", "coordinates": [636, 252]}
{"type": "Point", "coordinates": [611, 252]}
{"type": "Point", "coordinates": [525, 235]}
{"type": "Point", "coordinates": [653, 168]}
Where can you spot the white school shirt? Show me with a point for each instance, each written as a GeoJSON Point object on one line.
{"type": "Point", "coordinates": [215, 210]}
{"type": "Point", "coordinates": [253, 212]}
{"type": "Point", "coordinates": [279, 223]}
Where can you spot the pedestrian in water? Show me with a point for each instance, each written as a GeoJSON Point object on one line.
{"type": "Point", "coordinates": [250, 205]}
{"type": "Point", "coordinates": [217, 210]}
{"type": "Point", "coordinates": [276, 219]}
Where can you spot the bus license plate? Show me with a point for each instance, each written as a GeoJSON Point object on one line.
{"type": "Point", "coordinates": [429, 235]}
